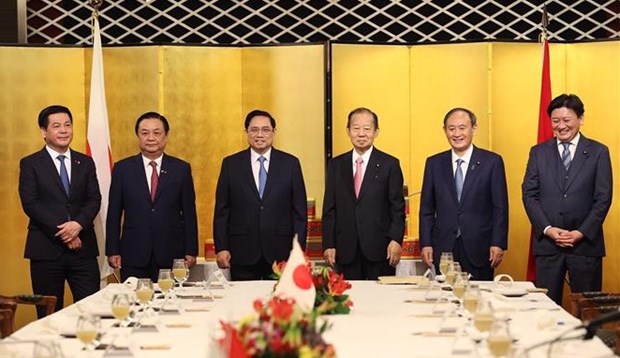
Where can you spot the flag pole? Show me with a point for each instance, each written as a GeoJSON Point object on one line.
{"type": "Point", "coordinates": [545, 132]}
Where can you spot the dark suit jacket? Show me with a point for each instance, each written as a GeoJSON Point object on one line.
{"type": "Point", "coordinates": [578, 202]}
{"type": "Point", "coordinates": [45, 202]}
{"type": "Point", "coordinates": [166, 228]}
{"type": "Point", "coordinates": [373, 219]}
{"type": "Point", "coordinates": [249, 227]}
{"type": "Point", "coordinates": [482, 214]}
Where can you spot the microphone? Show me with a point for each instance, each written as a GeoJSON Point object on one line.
{"type": "Point", "coordinates": [594, 324]}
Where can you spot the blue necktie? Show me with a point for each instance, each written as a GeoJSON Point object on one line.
{"type": "Point", "coordinates": [64, 176]}
{"type": "Point", "coordinates": [566, 155]}
{"type": "Point", "coordinates": [458, 179]}
{"type": "Point", "coordinates": [262, 176]}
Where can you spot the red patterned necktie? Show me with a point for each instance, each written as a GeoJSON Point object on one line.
{"type": "Point", "coordinates": [154, 180]}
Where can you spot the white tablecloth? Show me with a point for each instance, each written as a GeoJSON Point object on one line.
{"type": "Point", "coordinates": [386, 321]}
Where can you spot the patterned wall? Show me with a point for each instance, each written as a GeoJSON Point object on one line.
{"type": "Point", "coordinates": [241, 22]}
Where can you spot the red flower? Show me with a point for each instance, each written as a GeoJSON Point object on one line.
{"type": "Point", "coordinates": [337, 284]}
{"type": "Point", "coordinates": [281, 309]}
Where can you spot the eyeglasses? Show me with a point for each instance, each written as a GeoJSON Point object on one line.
{"type": "Point", "coordinates": [253, 131]}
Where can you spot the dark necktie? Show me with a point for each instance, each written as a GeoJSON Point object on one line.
{"type": "Point", "coordinates": [458, 179]}
{"type": "Point", "coordinates": [154, 179]}
{"type": "Point", "coordinates": [262, 176]}
{"type": "Point", "coordinates": [566, 155]}
{"type": "Point", "coordinates": [64, 176]}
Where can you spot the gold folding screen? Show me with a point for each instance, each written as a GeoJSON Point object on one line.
{"type": "Point", "coordinates": [206, 91]}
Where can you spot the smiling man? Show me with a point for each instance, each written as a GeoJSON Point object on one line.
{"type": "Point", "coordinates": [464, 202]}
{"type": "Point", "coordinates": [260, 204]}
{"type": "Point", "coordinates": [152, 211]}
{"type": "Point", "coordinates": [567, 193]}
{"type": "Point", "coordinates": [60, 194]}
{"type": "Point", "coordinates": [363, 206]}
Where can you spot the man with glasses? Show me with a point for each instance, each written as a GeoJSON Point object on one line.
{"type": "Point", "coordinates": [567, 192]}
{"type": "Point", "coordinates": [260, 204]}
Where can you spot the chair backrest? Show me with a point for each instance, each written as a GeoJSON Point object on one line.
{"type": "Point", "coordinates": [575, 309]}
{"type": "Point", "coordinates": [11, 302]}
{"type": "Point", "coordinates": [7, 319]}
{"type": "Point", "coordinates": [609, 300]}
{"type": "Point", "coordinates": [590, 313]}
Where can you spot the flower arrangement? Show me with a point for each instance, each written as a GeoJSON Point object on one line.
{"type": "Point", "coordinates": [277, 329]}
{"type": "Point", "coordinates": [330, 288]}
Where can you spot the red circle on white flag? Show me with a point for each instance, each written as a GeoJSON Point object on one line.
{"type": "Point", "coordinates": [302, 277]}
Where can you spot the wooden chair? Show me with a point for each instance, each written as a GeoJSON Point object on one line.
{"type": "Point", "coordinates": [575, 309]}
{"type": "Point", "coordinates": [7, 316]}
{"type": "Point", "coordinates": [10, 303]}
{"type": "Point", "coordinates": [608, 332]}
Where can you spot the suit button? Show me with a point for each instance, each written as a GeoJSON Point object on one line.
{"type": "Point", "coordinates": [561, 213]}
{"type": "Point", "coordinates": [152, 210]}
{"type": "Point", "coordinates": [262, 207]}
{"type": "Point", "coordinates": [565, 195]}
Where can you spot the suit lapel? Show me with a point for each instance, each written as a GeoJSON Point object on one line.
{"type": "Point", "coordinates": [372, 172]}
{"type": "Point", "coordinates": [554, 161]}
{"type": "Point", "coordinates": [581, 155]}
{"type": "Point", "coordinates": [447, 172]}
{"type": "Point", "coordinates": [247, 174]}
{"type": "Point", "coordinates": [164, 173]}
{"type": "Point", "coordinates": [346, 172]}
{"type": "Point", "coordinates": [275, 166]}
{"type": "Point", "coordinates": [471, 173]}
{"type": "Point", "coordinates": [140, 177]}
{"type": "Point", "coordinates": [48, 165]}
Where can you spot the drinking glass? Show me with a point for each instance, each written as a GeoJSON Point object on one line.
{"type": "Point", "coordinates": [144, 293]}
{"type": "Point", "coordinates": [471, 297]}
{"type": "Point", "coordinates": [121, 305]}
{"type": "Point", "coordinates": [180, 271]}
{"type": "Point", "coordinates": [165, 283]}
{"type": "Point", "coordinates": [499, 341]}
{"type": "Point", "coordinates": [484, 316]}
{"type": "Point", "coordinates": [453, 269]}
{"type": "Point", "coordinates": [444, 262]}
{"type": "Point", "coordinates": [87, 330]}
{"type": "Point", "coordinates": [460, 285]}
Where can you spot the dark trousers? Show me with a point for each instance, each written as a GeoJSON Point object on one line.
{"type": "Point", "coordinates": [363, 269]}
{"type": "Point", "coordinates": [259, 271]}
{"type": "Point", "coordinates": [151, 270]}
{"type": "Point", "coordinates": [585, 273]}
{"type": "Point", "coordinates": [48, 278]}
{"type": "Point", "coordinates": [484, 273]}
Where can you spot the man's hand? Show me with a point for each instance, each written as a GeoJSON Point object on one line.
{"type": "Point", "coordinates": [569, 238]}
{"type": "Point", "coordinates": [393, 253]}
{"type": "Point", "coordinates": [68, 231]}
{"type": "Point", "coordinates": [190, 260]}
{"type": "Point", "coordinates": [74, 244]}
{"type": "Point", "coordinates": [114, 261]}
{"type": "Point", "coordinates": [330, 257]}
{"type": "Point", "coordinates": [223, 259]}
{"type": "Point", "coordinates": [496, 255]}
{"type": "Point", "coordinates": [427, 255]}
{"type": "Point", "coordinates": [562, 237]}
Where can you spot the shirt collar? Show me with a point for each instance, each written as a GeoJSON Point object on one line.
{"type": "Point", "coordinates": [365, 156]}
{"type": "Point", "coordinates": [254, 156]}
{"type": "Point", "coordinates": [466, 157]}
{"type": "Point", "coordinates": [573, 141]}
{"type": "Point", "coordinates": [54, 154]}
{"type": "Point", "coordinates": [147, 161]}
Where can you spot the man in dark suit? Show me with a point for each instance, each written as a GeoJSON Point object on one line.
{"type": "Point", "coordinates": [363, 207]}
{"type": "Point", "coordinates": [60, 194]}
{"type": "Point", "coordinates": [260, 204]}
{"type": "Point", "coordinates": [464, 201]}
{"type": "Point", "coordinates": [152, 195]}
{"type": "Point", "coordinates": [567, 193]}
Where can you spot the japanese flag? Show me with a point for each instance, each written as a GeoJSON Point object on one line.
{"type": "Point", "coordinates": [296, 280]}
